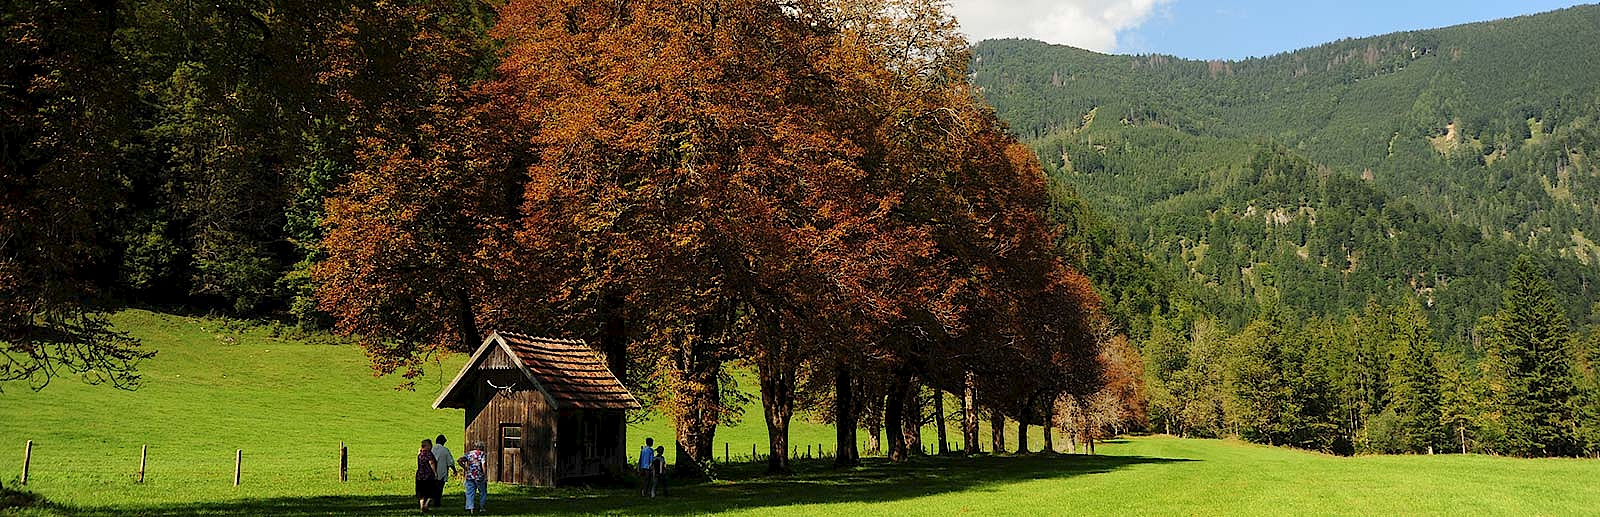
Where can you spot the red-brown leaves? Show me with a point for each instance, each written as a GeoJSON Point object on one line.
{"type": "Point", "coordinates": [738, 179]}
{"type": "Point", "coordinates": [412, 235]}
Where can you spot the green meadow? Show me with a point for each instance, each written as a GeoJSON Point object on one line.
{"type": "Point", "coordinates": [217, 387]}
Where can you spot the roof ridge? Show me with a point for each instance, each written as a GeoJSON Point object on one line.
{"type": "Point", "coordinates": [543, 339]}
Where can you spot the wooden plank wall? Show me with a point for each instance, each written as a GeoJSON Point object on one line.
{"type": "Point", "coordinates": [497, 360]}
{"type": "Point", "coordinates": [614, 440]}
{"type": "Point", "coordinates": [525, 405]}
{"type": "Point", "coordinates": [541, 432]}
{"type": "Point", "coordinates": [607, 429]}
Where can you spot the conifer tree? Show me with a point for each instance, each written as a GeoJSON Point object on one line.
{"type": "Point", "coordinates": [1460, 401]}
{"type": "Point", "coordinates": [1414, 380]}
{"type": "Point", "coordinates": [1536, 374]}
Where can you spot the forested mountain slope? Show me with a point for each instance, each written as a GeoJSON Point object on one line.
{"type": "Point", "coordinates": [1421, 161]}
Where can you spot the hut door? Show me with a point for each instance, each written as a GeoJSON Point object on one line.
{"type": "Point", "coordinates": [511, 453]}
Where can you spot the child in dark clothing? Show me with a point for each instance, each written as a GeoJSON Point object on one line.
{"type": "Point", "coordinates": [658, 471]}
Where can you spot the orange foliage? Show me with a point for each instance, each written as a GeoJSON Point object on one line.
{"type": "Point", "coordinates": [408, 234]}
{"type": "Point", "coordinates": [783, 183]}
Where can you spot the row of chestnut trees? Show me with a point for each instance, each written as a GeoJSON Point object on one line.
{"type": "Point", "coordinates": [810, 189]}
{"type": "Point", "coordinates": [1380, 382]}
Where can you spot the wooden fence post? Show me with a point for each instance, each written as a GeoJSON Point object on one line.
{"type": "Point", "coordinates": [27, 458]}
{"type": "Point", "coordinates": [725, 458]}
{"type": "Point", "coordinates": [752, 454]}
{"type": "Point", "coordinates": [238, 461]}
{"type": "Point", "coordinates": [344, 463]}
{"type": "Point", "coordinates": [144, 452]}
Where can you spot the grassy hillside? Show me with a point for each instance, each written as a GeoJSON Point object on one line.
{"type": "Point", "coordinates": [217, 387]}
{"type": "Point", "coordinates": [1451, 149]}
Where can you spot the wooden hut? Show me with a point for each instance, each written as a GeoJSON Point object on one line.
{"type": "Point", "coordinates": [546, 410]}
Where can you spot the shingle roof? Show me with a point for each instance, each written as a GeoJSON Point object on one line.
{"type": "Point", "coordinates": [570, 372]}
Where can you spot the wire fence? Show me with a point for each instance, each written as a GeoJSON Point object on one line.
{"type": "Point", "coordinates": [757, 453]}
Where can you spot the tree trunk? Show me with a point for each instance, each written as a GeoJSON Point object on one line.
{"type": "Point", "coordinates": [997, 428]}
{"type": "Point", "coordinates": [874, 431]}
{"type": "Point", "coordinates": [777, 402]}
{"type": "Point", "coordinates": [872, 418]}
{"type": "Point", "coordinates": [1049, 428]}
{"type": "Point", "coordinates": [938, 420]}
{"type": "Point", "coordinates": [911, 424]}
{"type": "Point", "coordinates": [1089, 431]}
{"type": "Point", "coordinates": [700, 410]}
{"type": "Point", "coordinates": [467, 322]}
{"type": "Point", "coordinates": [844, 418]}
{"type": "Point", "coordinates": [894, 415]}
{"type": "Point", "coordinates": [969, 414]}
{"type": "Point", "coordinates": [777, 438]}
{"type": "Point", "coordinates": [1022, 429]}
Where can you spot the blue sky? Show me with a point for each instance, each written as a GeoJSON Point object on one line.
{"type": "Point", "coordinates": [1220, 29]}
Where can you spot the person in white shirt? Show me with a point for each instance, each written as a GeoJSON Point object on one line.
{"type": "Point", "coordinates": [441, 474]}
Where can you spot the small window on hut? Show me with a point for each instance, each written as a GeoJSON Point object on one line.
{"type": "Point", "coordinates": [510, 436]}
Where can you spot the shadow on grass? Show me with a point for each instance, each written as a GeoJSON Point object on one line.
{"type": "Point", "coordinates": [743, 486]}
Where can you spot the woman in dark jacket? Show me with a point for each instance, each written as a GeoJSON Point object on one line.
{"type": "Point", "coordinates": [426, 466]}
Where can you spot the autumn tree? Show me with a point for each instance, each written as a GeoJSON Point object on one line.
{"type": "Point", "coordinates": [899, 95]}
{"type": "Point", "coordinates": [413, 232]}
{"type": "Point", "coordinates": [1119, 403]}
{"type": "Point", "coordinates": [980, 198]}
{"type": "Point", "coordinates": [680, 162]}
{"type": "Point", "coordinates": [807, 187]}
{"type": "Point", "coordinates": [63, 120]}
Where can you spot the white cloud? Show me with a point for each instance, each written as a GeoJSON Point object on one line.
{"type": "Point", "coordinates": [1090, 24]}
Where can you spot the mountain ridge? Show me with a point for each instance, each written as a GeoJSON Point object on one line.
{"type": "Point", "coordinates": [1480, 133]}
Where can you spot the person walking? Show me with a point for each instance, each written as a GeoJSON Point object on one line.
{"type": "Point", "coordinates": [646, 455]}
{"type": "Point", "coordinates": [658, 471]}
{"type": "Point", "coordinates": [473, 478]}
{"type": "Point", "coordinates": [426, 465]}
{"type": "Point", "coordinates": [441, 455]}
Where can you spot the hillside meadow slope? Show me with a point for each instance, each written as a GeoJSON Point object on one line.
{"type": "Point", "coordinates": [217, 387]}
